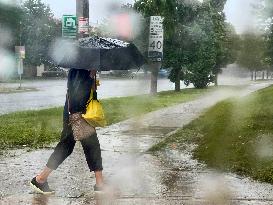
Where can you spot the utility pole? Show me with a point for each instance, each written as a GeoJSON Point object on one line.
{"type": "Point", "coordinates": [82, 12]}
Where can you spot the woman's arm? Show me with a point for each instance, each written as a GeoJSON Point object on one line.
{"type": "Point", "coordinates": [79, 87]}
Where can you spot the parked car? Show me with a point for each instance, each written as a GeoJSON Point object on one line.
{"type": "Point", "coordinates": [54, 74]}
{"type": "Point", "coordinates": [163, 73]}
{"type": "Point", "coordinates": [120, 73]}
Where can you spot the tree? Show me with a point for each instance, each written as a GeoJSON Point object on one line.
{"type": "Point", "coordinates": [252, 52]}
{"type": "Point", "coordinates": [9, 26]}
{"type": "Point", "coordinates": [269, 48]}
{"type": "Point", "coordinates": [225, 37]}
{"type": "Point", "coordinates": [268, 13]}
{"type": "Point", "coordinates": [177, 46]}
{"type": "Point", "coordinates": [39, 29]}
{"type": "Point", "coordinates": [220, 31]}
{"type": "Point", "coordinates": [264, 12]}
{"type": "Point", "coordinates": [10, 21]}
{"type": "Point", "coordinates": [218, 38]}
{"type": "Point", "coordinates": [202, 56]}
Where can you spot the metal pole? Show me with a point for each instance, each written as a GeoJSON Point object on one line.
{"type": "Point", "coordinates": [20, 35]}
{"type": "Point", "coordinates": [155, 66]}
{"type": "Point", "coordinates": [82, 10]}
{"type": "Point", "coordinates": [21, 60]}
{"type": "Point", "coordinates": [20, 81]}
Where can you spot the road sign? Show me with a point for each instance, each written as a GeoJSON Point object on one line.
{"type": "Point", "coordinates": [69, 26]}
{"type": "Point", "coordinates": [155, 51]}
{"type": "Point", "coordinates": [20, 52]}
{"type": "Point", "coordinates": [83, 25]}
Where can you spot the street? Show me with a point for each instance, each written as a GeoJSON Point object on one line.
{"type": "Point", "coordinates": [52, 92]}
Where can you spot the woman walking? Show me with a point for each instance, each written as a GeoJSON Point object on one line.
{"type": "Point", "coordinates": [79, 85]}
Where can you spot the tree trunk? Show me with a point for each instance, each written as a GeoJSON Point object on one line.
{"type": "Point", "coordinates": [177, 80]}
{"type": "Point", "coordinates": [263, 75]}
{"type": "Point", "coordinates": [267, 74]}
{"type": "Point", "coordinates": [155, 66]}
{"type": "Point", "coordinates": [255, 75]}
{"type": "Point", "coordinates": [252, 76]}
{"type": "Point", "coordinates": [216, 80]}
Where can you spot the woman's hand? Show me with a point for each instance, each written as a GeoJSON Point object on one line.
{"type": "Point", "coordinates": [93, 73]}
{"type": "Point", "coordinates": [93, 76]}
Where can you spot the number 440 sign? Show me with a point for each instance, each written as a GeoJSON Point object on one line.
{"type": "Point", "coordinates": [155, 51]}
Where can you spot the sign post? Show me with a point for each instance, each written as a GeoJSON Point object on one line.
{"type": "Point", "coordinates": [69, 26]}
{"type": "Point", "coordinates": [155, 50]}
{"type": "Point", "coordinates": [20, 55]}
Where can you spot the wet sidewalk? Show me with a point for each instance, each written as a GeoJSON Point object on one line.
{"type": "Point", "coordinates": [135, 176]}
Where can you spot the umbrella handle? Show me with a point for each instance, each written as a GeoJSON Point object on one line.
{"type": "Point", "coordinates": [134, 75]}
{"type": "Point", "coordinates": [93, 75]}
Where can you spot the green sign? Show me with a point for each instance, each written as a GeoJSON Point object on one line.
{"type": "Point", "coordinates": [69, 26]}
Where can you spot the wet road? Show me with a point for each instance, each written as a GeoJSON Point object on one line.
{"type": "Point", "coordinates": [52, 92]}
{"type": "Point", "coordinates": [134, 176]}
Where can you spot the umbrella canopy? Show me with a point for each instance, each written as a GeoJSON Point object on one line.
{"type": "Point", "coordinates": [97, 53]}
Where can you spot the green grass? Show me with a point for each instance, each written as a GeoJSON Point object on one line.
{"type": "Point", "coordinates": [235, 135]}
{"type": "Point", "coordinates": [5, 90]}
{"type": "Point", "coordinates": [40, 128]}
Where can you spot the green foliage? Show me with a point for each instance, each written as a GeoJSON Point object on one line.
{"type": "Point", "coordinates": [221, 41]}
{"type": "Point", "coordinates": [235, 135]}
{"type": "Point", "coordinates": [150, 8]}
{"type": "Point", "coordinates": [9, 15]}
{"type": "Point", "coordinates": [10, 19]}
{"type": "Point", "coordinates": [217, 5]}
{"type": "Point", "coordinates": [38, 30]}
{"type": "Point", "coordinates": [202, 56]}
{"type": "Point", "coordinates": [178, 47]}
{"type": "Point", "coordinates": [264, 12]}
{"type": "Point", "coordinates": [269, 35]}
{"type": "Point", "coordinates": [224, 34]}
{"type": "Point", "coordinates": [269, 48]}
{"type": "Point", "coordinates": [252, 51]}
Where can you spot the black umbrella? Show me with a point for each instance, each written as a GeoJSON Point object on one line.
{"type": "Point", "coordinates": [97, 53]}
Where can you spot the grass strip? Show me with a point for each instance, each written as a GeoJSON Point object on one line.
{"type": "Point", "coordinates": [40, 128]}
{"type": "Point", "coordinates": [7, 90]}
{"type": "Point", "coordinates": [235, 135]}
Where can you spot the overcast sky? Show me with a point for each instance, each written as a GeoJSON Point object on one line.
{"type": "Point", "coordinates": [238, 12]}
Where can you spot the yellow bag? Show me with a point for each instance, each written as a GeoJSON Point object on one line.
{"type": "Point", "coordinates": [94, 113]}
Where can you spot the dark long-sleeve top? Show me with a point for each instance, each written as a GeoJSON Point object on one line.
{"type": "Point", "coordinates": [78, 91]}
